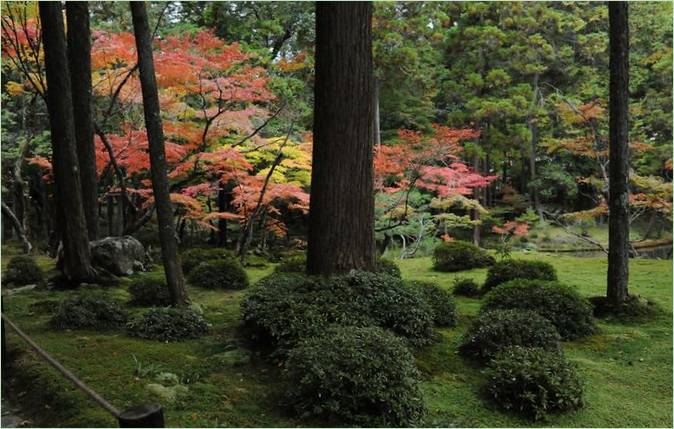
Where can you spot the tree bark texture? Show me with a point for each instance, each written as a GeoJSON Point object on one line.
{"type": "Point", "coordinates": [341, 219]}
{"type": "Point", "coordinates": [158, 166]}
{"type": "Point", "coordinates": [77, 259]}
{"type": "Point", "coordinates": [79, 61]}
{"type": "Point", "coordinates": [617, 278]}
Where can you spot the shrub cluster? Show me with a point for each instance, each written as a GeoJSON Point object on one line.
{"type": "Point", "coordinates": [23, 270]}
{"type": "Point", "coordinates": [459, 255]}
{"type": "Point", "coordinates": [88, 312]}
{"type": "Point", "coordinates": [219, 274]}
{"type": "Point", "coordinates": [193, 257]}
{"type": "Point", "coordinates": [511, 269]}
{"type": "Point", "coordinates": [440, 301]}
{"type": "Point", "coordinates": [389, 267]}
{"type": "Point", "coordinates": [149, 291]}
{"type": "Point", "coordinates": [466, 287]}
{"type": "Point", "coordinates": [168, 324]}
{"type": "Point", "coordinates": [533, 382]}
{"type": "Point", "coordinates": [363, 375]}
{"type": "Point", "coordinates": [495, 330]}
{"type": "Point", "coordinates": [295, 264]}
{"type": "Point", "coordinates": [563, 306]}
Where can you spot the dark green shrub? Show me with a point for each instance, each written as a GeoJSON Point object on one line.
{"type": "Point", "coordinates": [634, 308]}
{"type": "Point", "coordinates": [466, 287]}
{"type": "Point", "coordinates": [459, 255]}
{"type": "Point", "coordinates": [511, 269]}
{"type": "Point", "coordinates": [389, 267]}
{"type": "Point", "coordinates": [167, 324]}
{"type": "Point", "coordinates": [440, 301]}
{"type": "Point", "coordinates": [22, 270]}
{"type": "Point", "coordinates": [285, 308]}
{"type": "Point", "coordinates": [193, 257]}
{"type": "Point", "coordinates": [89, 311]}
{"type": "Point", "coordinates": [495, 330]}
{"type": "Point", "coordinates": [563, 306]}
{"type": "Point", "coordinates": [357, 375]}
{"type": "Point", "coordinates": [149, 292]}
{"type": "Point", "coordinates": [295, 264]}
{"type": "Point", "coordinates": [533, 382]}
{"type": "Point", "coordinates": [219, 274]}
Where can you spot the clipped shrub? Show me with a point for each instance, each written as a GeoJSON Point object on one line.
{"type": "Point", "coordinates": [357, 375]}
{"type": "Point", "coordinates": [89, 311]}
{"type": "Point", "coordinates": [193, 257]}
{"type": "Point", "coordinates": [563, 306]}
{"type": "Point", "coordinates": [440, 301]}
{"type": "Point", "coordinates": [511, 269]}
{"type": "Point", "coordinates": [23, 270]}
{"type": "Point", "coordinates": [219, 274]}
{"type": "Point", "coordinates": [295, 264]}
{"type": "Point", "coordinates": [387, 266]}
{"type": "Point", "coordinates": [285, 308]}
{"type": "Point", "coordinates": [533, 382]}
{"type": "Point", "coordinates": [150, 291]}
{"type": "Point", "coordinates": [466, 287]}
{"type": "Point", "coordinates": [495, 330]}
{"type": "Point", "coordinates": [168, 324]}
{"type": "Point", "coordinates": [459, 255]}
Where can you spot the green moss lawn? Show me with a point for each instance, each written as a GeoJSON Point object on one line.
{"type": "Point", "coordinates": [627, 367]}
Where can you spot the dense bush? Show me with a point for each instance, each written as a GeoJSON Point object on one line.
{"type": "Point", "coordinates": [168, 324]}
{"type": "Point", "coordinates": [89, 311]}
{"type": "Point", "coordinates": [533, 382]}
{"type": "Point", "coordinates": [440, 301]}
{"type": "Point", "coordinates": [459, 255]}
{"type": "Point", "coordinates": [219, 274]}
{"type": "Point", "coordinates": [285, 308]}
{"type": "Point", "coordinates": [193, 257]}
{"type": "Point", "coordinates": [358, 375]}
{"type": "Point", "coordinates": [389, 267]}
{"type": "Point", "coordinates": [495, 330]}
{"type": "Point", "coordinates": [511, 269]}
{"type": "Point", "coordinates": [563, 306]}
{"type": "Point", "coordinates": [633, 308]}
{"type": "Point", "coordinates": [295, 264]}
{"type": "Point", "coordinates": [466, 287]}
{"type": "Point", "coordinates": [22, 270]}
{"type": "Point", "coordinates": [149, 291]}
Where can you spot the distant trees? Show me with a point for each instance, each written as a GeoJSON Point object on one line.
{"type": "Point", "coordinates": [341, 217]}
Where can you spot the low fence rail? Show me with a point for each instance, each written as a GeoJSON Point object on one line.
{"type": "Point", "coordinates": [149, 416]}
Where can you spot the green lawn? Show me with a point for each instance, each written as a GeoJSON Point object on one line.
{"type": "Point", "coordinates": [627, 367]}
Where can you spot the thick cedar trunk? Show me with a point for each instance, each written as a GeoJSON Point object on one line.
{"type": "Point", "coordinates": [341, 218]}
{"type": "Point", "coordinates": [155, 136]}
{"type": "Point", "coordinates": [79, 61]}
{"type": "Point", "coordinates": [618, 239]}
{"type": "Point", "coordinates": [68, 190]}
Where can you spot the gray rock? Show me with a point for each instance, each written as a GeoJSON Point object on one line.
{"type": "Point", "coordinates": [122, 256]}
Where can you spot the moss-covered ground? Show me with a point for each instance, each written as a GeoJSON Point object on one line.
{"type": "Point", "coordinates": [627, 366]}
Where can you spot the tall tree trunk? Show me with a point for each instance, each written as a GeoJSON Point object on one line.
{"type": "Point", "coordinates": [475, 213]}
{"type": "Point", "coordinates": [223, 200]}
{"type": "Point", "coordinates": [7, 213]}
{"type": "Point", "coordinates": [533, 128]}
{"type": "Point", "coordinates": [79, 61]}
{"type": "Point", "coordinates": [377, 117]}
{"type": "Point", "coordinates": [618, 239]}
{"type": "Point", "coordinates": [341, 217]}
{"type": "Point", "coordinates": [68, 189]}
{"type": "Point", "coordinates": [155, 136]}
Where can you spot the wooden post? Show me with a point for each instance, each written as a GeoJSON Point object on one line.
{"type": "Point", "coordinates": [143, 416]}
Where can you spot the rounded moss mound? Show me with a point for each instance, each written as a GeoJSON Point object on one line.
{"type": "Point", "coordinates": [459, 255]}
{"type": "Point", "coordinates": [495, 330]}
{"type": "Point", "coordinates": [193, 257]}
{"type": "Point", "coordinates": [466, 287]}
{"type": "Point", "coordinates": [88, 312]}
{"type": "Point", "coordinates": [389, 267]}
{"type": "Point", "coordinates": [295, 264]}
{"type": "Point", "coordinates": [23, 270]}
{"type": "Point", "coordinates": [219, 274]}
{"type": "Point", "coordinates": [533, 382]}
{"type": "Point", "coordinates": [356, 375]}
{"type": "Point", "coordinates": [149, 291]}
{"type": "Point", "coordinates": [563, 306]}
{"type": "Point", "coordinates": [511, 269]}
{"type": "Point", "coordinates": [168, 324]}
{"type": "Point", "coordinates": [439, 301]}
{"type": "Point", "coordinates": [634, 308]}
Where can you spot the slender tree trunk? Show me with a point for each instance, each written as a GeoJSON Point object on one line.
{"type": "Point", "coordinates": [7, 213]}
{"type": "Point", "coordinates": [377, 118]}
{"type": "Point", "coordinates": [475, 212]}
{"type": "Point", "coordinates": [341, 217]}
{"type": "Point", "coordinates": [533, 128]}
{"type": "Point", "coordinates": [222, 223]}
{"type": "Point", "coordinates": [616, 289]}
{"type": "Point", "coordinates": [79, 61]}
{"type": "Point", "coordinates": [158, 167]}
{"type": "Point", "coordinates": [68, 189]}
